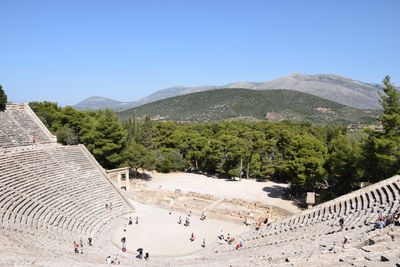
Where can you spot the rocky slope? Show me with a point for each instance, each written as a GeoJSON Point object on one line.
{"type": "Point", "coordinates": [336, 88]}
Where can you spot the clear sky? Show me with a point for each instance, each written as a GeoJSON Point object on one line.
{"type": "Point", "coordinates": [65, 51]}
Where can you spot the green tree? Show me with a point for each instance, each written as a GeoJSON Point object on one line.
{"type": "Point", "coordinates": [342, 165]}
{"type": "Point", "coordinates": [137, 156]}
{"type": "Point", "coordinates": [391, 109]}
{"type": "Point", "coordinates": [3, 99]}
{"type": "Point", "coordinates": [105, 138]}
{"type": "Point", "coordinates": [145, 133]}
{"type": "Point", "coordinates": [380, 157]}
{"type": "Point", "coordinates": [381, 151]}
{"type": "Point", "coordinates": [49, 113]}
{"type": "Point", "coordinates": [305, 166]}
{"type": "Point", "coordinates": [170, 160]}
{"type": "Point", "coordinates": [255, 143]}
{"type": "Point", "coordinates": [66, 135]}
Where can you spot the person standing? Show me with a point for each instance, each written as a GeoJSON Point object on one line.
{"type": "Point", "coordinates": [192, 237]}
{"type": "Point", "coordinates": [76, 246]}
{"type": "Point", "coordinates": [341, 223]}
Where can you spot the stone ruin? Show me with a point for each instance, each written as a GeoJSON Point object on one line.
{"type": "Point", "coordinates": [52, 195]}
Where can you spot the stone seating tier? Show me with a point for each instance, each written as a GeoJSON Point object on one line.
{"type": "Point", "coordinates": [56, 189]}
{"type": "Point", "coordinates": [19, 126]}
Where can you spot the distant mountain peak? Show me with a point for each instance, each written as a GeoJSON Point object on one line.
{"type": "Point", "coordinates": [332, 87]}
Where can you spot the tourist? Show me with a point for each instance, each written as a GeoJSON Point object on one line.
{"type": "Point", "coordinates": [396, 218]}
{"type": "Point", "coordinates": [170, 211]}
{"type": "Point", "coordinates": [346, 240]}
{"type": "Point", "coordinates": [140, 256]}
{"type": "Point", "coordinates": [76, 246]}
{"type": "Point", "coordinates": [192, 237]}
{"type": "Point", "coordinates": [81, 250]}
{"type": "Point", "coordinates": [110, 206]}
{"type": "Point", "coordinates": [116, 261]}
{"type": "Point", "coordinates": [81, 242]}
{"type": "Point", "coordinates": [123, 240]}
{"type": "Point", "coordinates": [380, 224]}
{"type": "Point", "coordinates": [180, 220]}
{"type": "Point", "coordinates": [125, 228]}
{"type": "Point", "coordinates": [228, 237]}
{"type": "Point", "coordinates": [108, 260]}
{"type": "Point", "coordinates": [204, 243]}
{"type": "Point", "coordinates": [106, 206]}
{"type": "Point", "coordinates": [137, 219]}
{"type": "Point", "coordinates": [258, 227]}
{"type": "Point", "coordinates": [123, 247]}
{"type": "Point", "coordinates": [221, 235]}
{"type": "Point", "coordinates": [146, 256]}
{"type": "Point", "coordinates": [203, 215]}
{"type": "Point", "coordinates": [231, 240]}
{"type": "Point", "coordinates": [190, 213]}
{"type": "Point", "coordinates": [237, 245]}
{"type": "Point", "coordinates": [130, 221]}
{"type": "Point", "coordinates": [341, 223]}
{"type": "Point", "coordinates": [90, 241]}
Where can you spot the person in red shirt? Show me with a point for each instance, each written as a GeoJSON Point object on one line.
{"type": "Point", "coordinates": [76, 246]}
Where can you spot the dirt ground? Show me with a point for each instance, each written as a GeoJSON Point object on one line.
{"type": "Point", "coordinates": [227, 203]}
{"type": "Point", "coordinates": [159, 233]}
{"type": "Point", "coordinates": [269, 193]}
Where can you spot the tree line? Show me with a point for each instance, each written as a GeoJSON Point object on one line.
{"type": "Point", "coordinates": [326, 159]}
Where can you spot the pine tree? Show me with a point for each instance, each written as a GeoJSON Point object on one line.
{"type": "Point", "coordinates": [105, 138]}
{"type": "Point", "coordinates": [391, 109]}
{"type": "Point", "coordinates": [381, 151]}
{"type": "Point", "coordinates": [3, 99]}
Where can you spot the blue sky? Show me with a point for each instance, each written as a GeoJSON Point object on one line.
{"type": "Point", "coordinates": [65, 51]}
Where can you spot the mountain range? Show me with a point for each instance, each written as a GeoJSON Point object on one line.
{"type": "Point", "coordinates": [252, 105]}
{"type": "Point", "coordinates": [332, 87]}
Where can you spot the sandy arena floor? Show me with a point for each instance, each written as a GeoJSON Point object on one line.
{"type": "Point", "coordinates": [266, 192]}
{"type": "Point", "coordinates": [160, 234]}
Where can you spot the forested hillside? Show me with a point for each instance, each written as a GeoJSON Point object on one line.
{"type": "Point", "coordinates": [252, 105]}
{"type": "Point", "coordinates": [325, 159]}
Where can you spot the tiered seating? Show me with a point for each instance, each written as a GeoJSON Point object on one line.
{"type": "Point", "coordinates": [52, 195]}
{"type": "Point", "coordinates": [18, 127]}
{"type": "Point", "coordinates": [20, 249]}
{"type": "Point", "coordinates": [56, 191]}
{"type": "Point", "coordinates": [315, 233]}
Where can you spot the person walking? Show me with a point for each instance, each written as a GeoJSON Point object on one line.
{"type": "Point", "coordinates": [192, 237]}
{"type": "Point", "coordinates": [76, 246]}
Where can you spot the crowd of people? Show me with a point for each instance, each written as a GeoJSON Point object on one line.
{"type": "Point", "coordinates": [385, 220]}
{"type": "Point", "coordinates": [78, 248]}
{"type": "Point", "coordinates": [141, 253]}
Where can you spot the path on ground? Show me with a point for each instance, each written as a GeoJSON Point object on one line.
{"type": "Point", "coordinates": [161, 235]}
{"type": "Point", "coordinates": [266, 192]}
